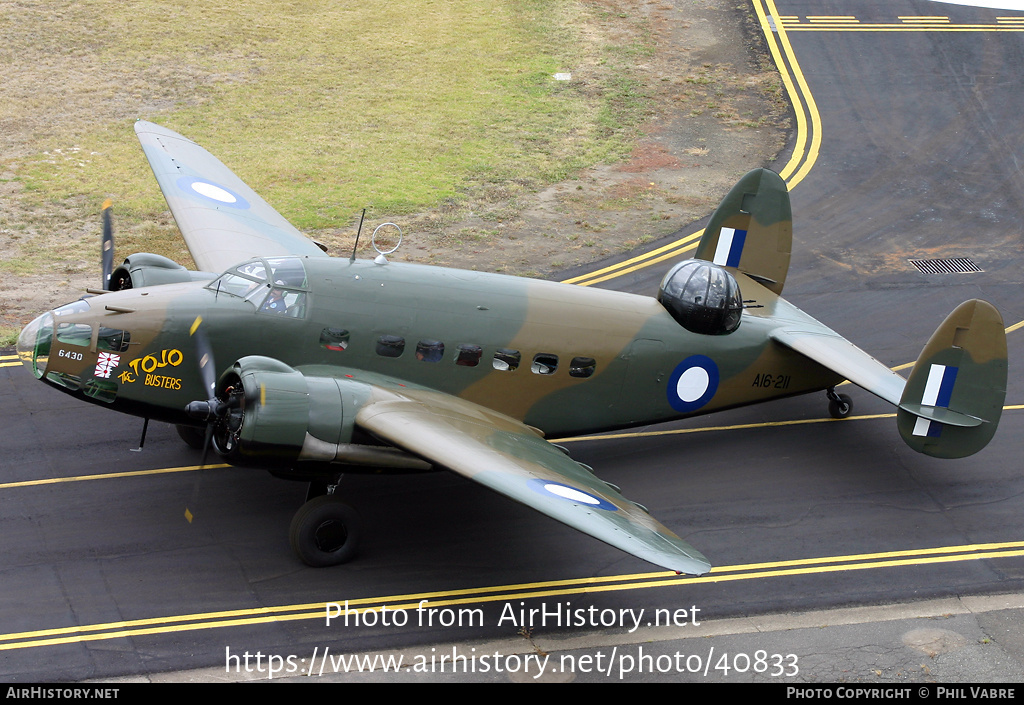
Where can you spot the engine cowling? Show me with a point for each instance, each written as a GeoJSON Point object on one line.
{"type": "Point", "coordinates": [703, 297]}
{"type": "Point", "coordinates": [280, 419]}
{"type": "Point", "coordinates": [147, 269]}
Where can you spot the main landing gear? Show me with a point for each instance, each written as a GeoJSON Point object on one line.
{"type": "Point", "coordinates": [325, 531]}
{"type": "Point", "coordinates": [839, 405]}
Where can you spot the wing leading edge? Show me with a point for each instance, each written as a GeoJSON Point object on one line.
{"type": "Point", "coordinates": [512, 459]}
{"type": "Point", "coordinates": [223, 221]}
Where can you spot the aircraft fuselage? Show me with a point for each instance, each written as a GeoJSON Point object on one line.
{"type": "Point", "coordinates": [563, 358]}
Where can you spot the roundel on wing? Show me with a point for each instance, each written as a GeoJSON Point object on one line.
{"type": "Point", "coordinates": [569, 493]}
{"type": "Point", "coordinates": [211, 192]}
{"type": "Point", "coordinates": [693, 383]}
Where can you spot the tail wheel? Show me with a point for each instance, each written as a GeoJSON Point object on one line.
{"type": "Point", "coordinates": [840, 407]}
{"type": "Point", "coordinates": [325, 532]}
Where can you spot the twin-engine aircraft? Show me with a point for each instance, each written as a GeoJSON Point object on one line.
{"type": "Point", "coordinates": [310, 367]}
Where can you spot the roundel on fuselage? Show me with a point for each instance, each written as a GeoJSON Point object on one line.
{"type": "Point", "coordinates": [703, 297]}
{"type": "Point", "coordinates": [692, 383]}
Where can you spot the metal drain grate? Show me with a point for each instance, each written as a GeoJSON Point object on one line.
{"type": "Point", "coordinates": [949, 265]}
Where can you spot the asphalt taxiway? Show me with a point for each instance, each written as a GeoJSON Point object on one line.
{"type": "Point", "coordinates": [909, 149]}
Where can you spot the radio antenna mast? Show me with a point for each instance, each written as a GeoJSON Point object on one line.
{"type": "Point", "coordinates": [356, 243]}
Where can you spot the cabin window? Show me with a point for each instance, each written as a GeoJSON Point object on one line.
{"type": "Point", "coordinates": [390, 346]}
{"type": "Point", "coordinates": [113, 339]}
{"type": "Point", "coordinates": [334, 339]}
{"type": "Point", "coordinates": [101, 390]}
{"type": "Point", "coordinates": [582, 367]}
{"type": "Point", "coordinates": [544, 364]}
{"type": "Point", "coordinates": [506, 360]}
{"type": "Point", "coordinates": [430, 350]}
{"type": "Point", "coordinates": [79, 334]}
{"type": "Point", "coordinates": [469, 355]}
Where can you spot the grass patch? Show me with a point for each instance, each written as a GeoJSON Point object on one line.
{"type": "Point", "coordinates": [326, 108]}
{"type": "Point", "coordinates": [8, 336]}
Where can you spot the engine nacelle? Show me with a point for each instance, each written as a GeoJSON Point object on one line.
{"type": "Point", "coordinates": [281, 419]}
{"type": "Point", "coordinates": [703, 297]}
{"type": "Point", "coordinates": [146, 269]}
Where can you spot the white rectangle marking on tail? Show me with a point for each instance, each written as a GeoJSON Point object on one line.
{"type": "Point", "coordinates": [724, 246]}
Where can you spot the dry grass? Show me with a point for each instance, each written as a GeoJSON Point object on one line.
{"type": "Point", "coordinates": [442, 116]}
{"type": "Point", "coordinates": [323, 108]}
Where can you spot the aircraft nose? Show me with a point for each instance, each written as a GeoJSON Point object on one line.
{"type": "Point", "coordinates": [34, 344]}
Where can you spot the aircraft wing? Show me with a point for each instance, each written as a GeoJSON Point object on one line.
{"type": "Point", "coordinates": [838, 354]}
{"type": "Point", "coordinates": [223, 221]}
{"type": "Point", "coordinates": [511, 458]}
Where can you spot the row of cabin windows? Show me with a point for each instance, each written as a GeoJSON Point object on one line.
{"type": "Point", "coordinates": [466, 354]}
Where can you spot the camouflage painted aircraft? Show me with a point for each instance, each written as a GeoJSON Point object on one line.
{"type": "Point", "coordinates": [341, 365]}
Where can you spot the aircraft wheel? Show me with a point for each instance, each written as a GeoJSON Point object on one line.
{"type": "Point", "coordinates": [842, 408]}
{"type": "Point", "coordinates": [193, 437]}
{"type": "Point", "coordinates": [325, 532]}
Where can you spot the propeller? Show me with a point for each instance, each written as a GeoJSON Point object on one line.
{"type": "Point", "coordinates": [107, 246]}
{"type": "Point", "coordinates": [213, 410]}
{"type": "Point", "coordinates": [221, 416]}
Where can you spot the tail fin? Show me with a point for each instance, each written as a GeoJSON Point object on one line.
{"type": "Point", "coordinates": [951, 405]}
{"type": "Point", "coordinates": [752, 229]}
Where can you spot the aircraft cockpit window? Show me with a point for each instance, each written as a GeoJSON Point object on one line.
{"type": "Point", "coordinates": [390, 345]}
{"type": "Point", "coordinates": [285, 301]}
{"type": "Point", "coordinates": [256, 270]}
{"type": "Point", "coordinates": [80, 306]}
{"type": "Point", "coordinates": [288, 271]}
{"type": "Point", "coordinates": [469, 355]}
{"type": "Point", "coordinates": [234, 285]}
{"type": "Point", "coordinates": [79, 334]}
{"type": "Point", "coordinates": [430, 350]}
{"type": "Point", "coordinates": [506, 360]}
{"type": "Point", "coordinates": [582, 367]}
{"type": "Point", "coordinates": [113, 340]}
{"type": "Point", "coordinates": [544, 364]}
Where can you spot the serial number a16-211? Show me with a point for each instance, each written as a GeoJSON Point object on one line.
{"type": "Point", "coordinates": [767, 380]}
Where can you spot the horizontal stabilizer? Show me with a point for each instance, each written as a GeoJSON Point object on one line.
{"type": "Point", "coordinates": [752, 230]}
{"type": "Point", "coordinates": [951, 405]}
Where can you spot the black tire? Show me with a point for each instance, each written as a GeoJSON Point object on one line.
{"type": "Point", "coordinates": [325, 532]}
{"type": "Point", "coordinates": [193, 437]}
{"type": "Point", "coordinates": [842, 408]}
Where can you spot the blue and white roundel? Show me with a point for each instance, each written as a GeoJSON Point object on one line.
{"type": "Point", "coordinates": [211, 192]}
{"type": "Point", "coordinates": [693, 383]}
{"type": "Point", "coordinates": [570, 494]}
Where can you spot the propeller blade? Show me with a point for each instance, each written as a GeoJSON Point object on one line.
{"type": "Point", "coordinates": [207, 366]}
{"type": "Point", "coordinates": [107, 245]}
{"type": "Point", "coordinates": [210, 410]}
{"type": "Point", "coordinates": [194, 501]}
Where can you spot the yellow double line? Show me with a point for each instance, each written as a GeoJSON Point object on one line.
{"type": "Point", "coordinates": [805, 150]}
{"type": "Point", "coordinates": [9, 360]}
{"type": "Point", "coordinates": [439, 605]}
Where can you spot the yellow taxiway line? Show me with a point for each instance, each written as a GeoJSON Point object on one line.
{"type": "Point", "coordinates": [435, 601]}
